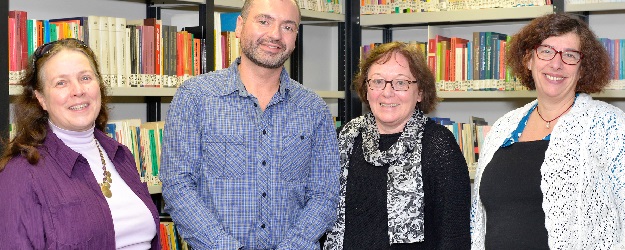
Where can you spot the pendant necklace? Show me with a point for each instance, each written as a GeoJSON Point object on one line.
{"type": "Point", "coordinates": [549, 122]}
{"type": "Point", "coordinates": [105, 186]}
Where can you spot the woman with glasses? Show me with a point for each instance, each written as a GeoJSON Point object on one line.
{"type": "Point", "coordinates": [404, 181]}
{"type": "Point", "coordinates": [63, 183]}
{"type": "Point", "coordinates": [551, 174]}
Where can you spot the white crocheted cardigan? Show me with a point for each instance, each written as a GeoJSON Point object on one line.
{"type": "Point", "coordinates": [583, 177]}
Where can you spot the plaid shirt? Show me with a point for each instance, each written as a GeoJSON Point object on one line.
{"type": "Point", "coordinates": [236, 176]}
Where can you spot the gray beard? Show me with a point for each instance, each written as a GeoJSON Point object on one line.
{"type": "Point", "coordinates": [249, 50]}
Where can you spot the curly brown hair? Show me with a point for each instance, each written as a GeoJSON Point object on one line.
{"type": "Point", "coordinates": [31, 120]}
{"type": "Point", "coordinates": [595, 69]}
{"type": "Point", "coordinates": [418, 67]}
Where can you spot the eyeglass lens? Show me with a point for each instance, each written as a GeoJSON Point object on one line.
{"type": "Point", "coordinates": [547, 53]}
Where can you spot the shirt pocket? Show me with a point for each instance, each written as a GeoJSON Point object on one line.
{"type": "Point", "coordinates": [296, 154]}
{"type": "Point", "coordinates": [223, 156]}
{"type": "Point", "coordinates": [75, 224]}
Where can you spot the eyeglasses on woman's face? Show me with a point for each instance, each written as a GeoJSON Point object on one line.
{"type": "Point", "coordinates": [547, 53]}
{"type": "Point", "coordinates": [396, 84]}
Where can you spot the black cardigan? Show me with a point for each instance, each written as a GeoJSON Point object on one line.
{"type": "Point", "coordinates": [446, 188]}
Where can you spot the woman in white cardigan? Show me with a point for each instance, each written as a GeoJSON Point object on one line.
{"type": "Point", "coordinates": [551, 174]}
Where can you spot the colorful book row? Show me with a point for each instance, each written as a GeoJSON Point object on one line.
{"type": "Point", "coordinates": [131, 53]}
{"type": "Point", "coordinates": [469, 137]}
{"type": "Point", "coordinates": [374, 7]}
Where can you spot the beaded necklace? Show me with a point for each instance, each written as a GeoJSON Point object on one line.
{"type": "Point", "coordinates": [105, 186]}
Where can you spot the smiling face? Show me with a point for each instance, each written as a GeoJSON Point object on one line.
{"type": "Point", "coordinates": [392, 109]}
{"type": "Point", "coordinates": [269, 32]}
{"type": "Point", "coordinates": [71, 91]}
{"type": "Point", "coordinates": [554, 79]}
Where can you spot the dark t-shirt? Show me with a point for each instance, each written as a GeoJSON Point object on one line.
{"type": "Point", "coordinates": [511, 195]}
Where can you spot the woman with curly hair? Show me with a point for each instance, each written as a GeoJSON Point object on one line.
{"type": "Point", "coordinates": [551, 174]}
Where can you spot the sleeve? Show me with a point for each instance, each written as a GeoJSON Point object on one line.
{"type": "Point", "coordinates": [615, 148]}
{"type": "Point", "coordinates": [322, 190]}
{"type": "Point", "coordinates": [181, 162]}
{"type": "Point", "coordinates": [451, 188]}
{"type": "Point", "coordinates": [21, 212]}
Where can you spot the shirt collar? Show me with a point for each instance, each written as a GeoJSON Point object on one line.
{"type": "Point", "coordinates": [236, 84]}
{"type": "Point", "coordinates": [67, 158]}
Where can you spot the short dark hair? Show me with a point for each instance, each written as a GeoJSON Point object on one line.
{"type": "Point", "coordinates": [31, 120]}
{"type": "Point", "coordinates": [595, 68]}
{"type": "Point", "coordinates": [418, 68]}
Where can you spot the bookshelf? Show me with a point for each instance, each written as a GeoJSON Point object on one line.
{"type": "Point", "coordinates": [593, 7]}
{"type": "Point", "coordinates": [481, 15]}
{"type": "Point", "coordinates": [129, 102]}
{"type": "Point", "coordinates": [457, 104]}
{"type": "Point", "coordinates": [606, 20]}
{"type": "Point", "coordinates": [165, 92]}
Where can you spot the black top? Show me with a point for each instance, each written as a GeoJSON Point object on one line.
{"type": "Point", "coordinates": [511, 195]}
{"type": "Point", "coordinates": [446, 190]}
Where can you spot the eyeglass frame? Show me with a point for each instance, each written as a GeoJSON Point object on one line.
{"type": "Point", "coordinates": [44, 49]}
{"type": "Point", "coordinates": [368, 81]}
{"type": "Point", "coordinates": [581, 55]}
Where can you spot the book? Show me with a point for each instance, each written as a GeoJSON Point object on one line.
{"type": "Point", "coordinates": [20, 34]}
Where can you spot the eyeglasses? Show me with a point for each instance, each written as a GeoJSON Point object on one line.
{"type": "Point", "coordinates": [396, 84]}
{"type": "Point", "coordinates": [547, 53]}
{"type": "Point", "coordinates": [45, 49]}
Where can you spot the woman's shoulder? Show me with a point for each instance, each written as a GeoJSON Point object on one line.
{"type": "Point", "coordinates": [437, 137]}
{"type": "Point", "coordinates": [434, 130]}
{"type": "Point", "coordinates": [16, 173]}
{"type": "Point", "coordinates": [601, 112]}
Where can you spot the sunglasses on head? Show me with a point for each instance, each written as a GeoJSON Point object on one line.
{"type": "Point", "coordinates": [45, 49]}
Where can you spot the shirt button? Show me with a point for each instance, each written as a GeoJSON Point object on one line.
{"type": "Point", "coordinates": [264, 194]}
{"type": "Point", "coordinates": [301, 137]}
{"type": "Point", "coordinates": [264, 163]}
{"type": "Point", "coordinates": [264, 132]}
{"type": "Point", "coordinates": [262, 226]}
{"type": "Point", "coordinates": [255, 105]}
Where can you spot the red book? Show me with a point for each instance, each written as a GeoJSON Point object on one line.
{"type": "Point", "coordinates": [148, 49]}
{"type": "Point", "coordinates": [180, 53]}
{"type": "Point", "coordinates": [432, 55]}
{"type": "Point", "coordinates": [13, 46]}
{"type": "Point", "coordinates": [157, 37]}
{"type": "Point", "coordinates": [21, 35]}
{"type": "Point", "coordinates": [188, 70]}
{"type": "Point", "coordinates": [196, 56]}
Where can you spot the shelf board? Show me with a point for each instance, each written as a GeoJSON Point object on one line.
{"type": "Point", "coordinates": [15, 90]}
{"type": "Point", "coordinates": [497, 14]}
{"type": "Point", "coordinates": [331, 94]}
{"type": "Point", "coordinates": [486, 94]}
{"type": "Point", "coordinates": [524, 94]}
{"type": "Point", "coordinates": [594, 7]}
{"type": "Point", "coordinates": [228, 4]}
{"type": "Point", "coordinates": [155, 189]}
{"type": "Point", "coordinates": [307, 15]}
{"type": "Point", "coordinates": [141, 91]}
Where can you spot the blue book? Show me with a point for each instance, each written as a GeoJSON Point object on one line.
{"type": "Point", "coordinates": [229, 21]}
{"type": "Point", "coordinates": [110, 130]}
